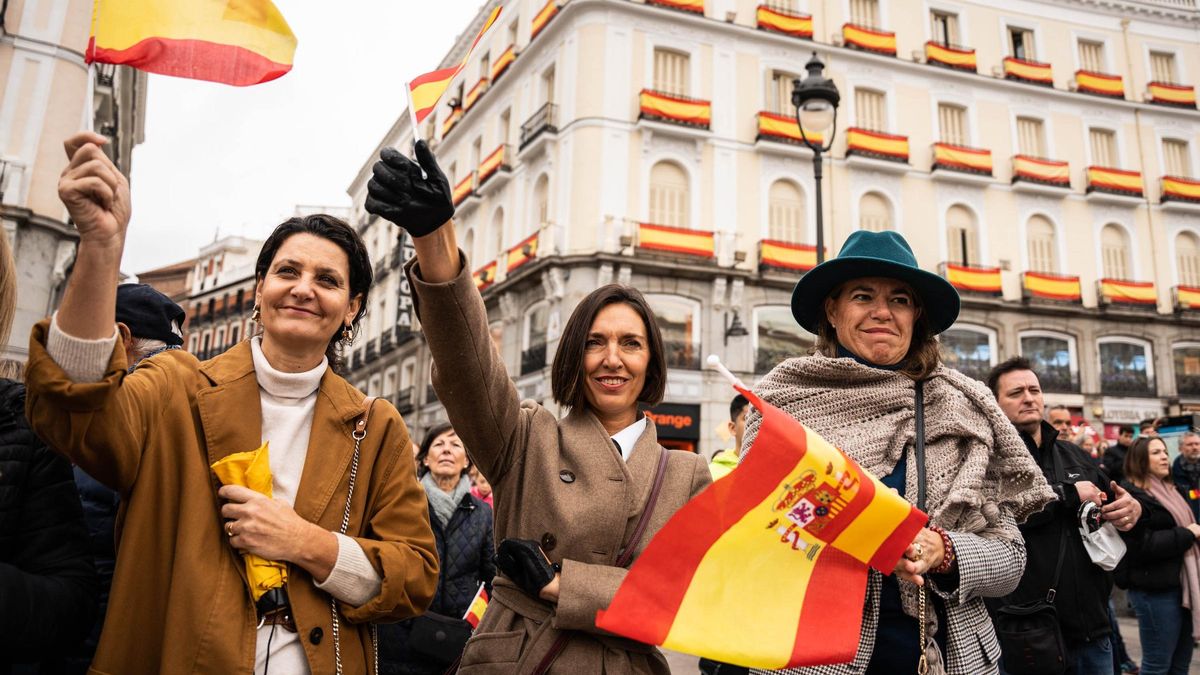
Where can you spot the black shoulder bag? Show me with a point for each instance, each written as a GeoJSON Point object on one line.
{"type": "Point", "coordinates": [1031, 641]}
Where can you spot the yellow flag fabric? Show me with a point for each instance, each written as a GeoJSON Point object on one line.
{"type": "Point", "coordinates": [253, 470]}
{"type": "Point", "coordinates": [238, 42]}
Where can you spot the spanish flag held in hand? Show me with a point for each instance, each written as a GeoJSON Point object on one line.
{"type": "Point", "coordinates": [425, 91]}
{"type": "Point", "coordinates": [767, 567]}
{"type": "Point", "coordinates": [238, 42]}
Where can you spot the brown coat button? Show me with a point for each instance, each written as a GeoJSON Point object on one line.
{"type": "Point", "coordinates": [548, 542]}
{"type": "Point", "coordinates": [566, 476]}
{"type": "Point", "coordinates": [315, 635]}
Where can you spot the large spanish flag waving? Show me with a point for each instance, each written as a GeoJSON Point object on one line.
{"type": "Point", "coordinates": [425, 91]}
{"type": "Point", "coordinates": [238, 42]}
{"type": "Point", "coordinates": [767, 568]}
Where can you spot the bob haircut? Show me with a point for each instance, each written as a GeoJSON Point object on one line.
{"type": "Point", "coordinates": [1137, 462]}
{"type": "Point", "coordinates": [344, 236]}
{"type": "Point", "coordinates": [567, 379]}
{"type": "Point", "coordinates": [427, 443]}
{"type": "Point", "coordinates": [924, 354]}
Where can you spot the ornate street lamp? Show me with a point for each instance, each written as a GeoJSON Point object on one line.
{"type": "Point", "coordinates": [816, 100]}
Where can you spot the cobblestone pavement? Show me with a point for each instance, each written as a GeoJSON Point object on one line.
{"type": "Point", "coordinates": [682, 664]}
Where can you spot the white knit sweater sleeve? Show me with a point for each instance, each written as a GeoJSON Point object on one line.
{"type": "Point", "coordinates": [353, 580]}
{"type": "Point", "coordinates": [82, 360]}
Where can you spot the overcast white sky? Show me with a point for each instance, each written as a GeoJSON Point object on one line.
{"type": "Point", "coordinates": [239, 159]}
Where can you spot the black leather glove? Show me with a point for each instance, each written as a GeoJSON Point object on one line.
{"type": "Point", "coordinates": [524, 562]}
{"type": "Point", "coordinates": [420, 202]}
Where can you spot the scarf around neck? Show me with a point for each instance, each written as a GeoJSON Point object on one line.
{"type": "Point", "coordinates": [444, 504]}
{"type": "Point", "coordinates": [1189, 573]}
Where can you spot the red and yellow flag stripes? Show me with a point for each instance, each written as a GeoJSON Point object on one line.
{"type": "Point", "coordinates": [961, 158]}
{"type": "Point", "coordinates": [784, 128]}
{"type": "Point", "coordinates": [1052, 286]}
{"type": "Point", "coordinates": [1121, 292]}
{"type": "Point", "coordinates": [974, 279]}
{"type": "Point", "coordinates": [676, 240]}
{"type": "Point", "coordinates": [1114, 180]}
{"type": "Point", "coordinates": [477, 607]}
{"type": "Point", "coordinates": [963, 59]}
{"type": "Point", "coordinates": [877, 144]}
{"type": "Point", "coordinates": [491, 164]}
{"type": "Point", "coordinates": [883, 42]}
{"type": "Point", "coordinates": [1172, 94]}
{"type": "Point", "coordinates": [542, 18]}
{"type": "Point", "coordinates": [781, 254]}
{"type": "Point", "coordinates": [660, 106]}
{"type": "Point", "coordinates": [503, 62]}
{"type": "Point", "coordinates": [522, 252]}
{"type": "Point", "coordinates": [1099, 83]}
{"type": "Point", "coordinates": [473, 95]}
{"type": "Point", "coordinates": [1187, 297]}
{"type": "Point", "coordinates": [1177, 188]}
{"type": "Point", "coordinates": [796, 25]}
{"type": "Point", "coordinates": [464, 189]}
{"type": "Point", "coordinates": [794, 527]}
{"type": "Point", "coordinates": [425, 91]}
{"type": "Point", "coordinates": [1041, 170]}
{"type": "Point", "coordinates": [485, 276]}
{"type": "Point", "coordinates": [1029, 71]}
{"type": "Point", "coordinates": [694, 6]}
{"type": "Point", "coordinates": [238, 42]}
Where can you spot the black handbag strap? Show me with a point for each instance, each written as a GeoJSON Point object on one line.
{"type": "Point", "coordinates": [627, 551]}
{"type": "Point", "coordinates": [920, 443]}
{"type": "Point", "coordinates": [1063, 534]}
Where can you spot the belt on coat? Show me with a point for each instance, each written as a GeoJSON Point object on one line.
{"type": "Point", "coordinates": [507, 594]}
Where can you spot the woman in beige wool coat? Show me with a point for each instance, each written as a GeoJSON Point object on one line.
{"type": "Point", "coordinates": [576, 487]}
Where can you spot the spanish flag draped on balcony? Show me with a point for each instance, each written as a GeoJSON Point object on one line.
{"type": "Point", "coordinates": [425, 91]}
{"type": "Point", "coordinates": [238, 42]}
{"type": "Point", "coordinates": [794, 527]}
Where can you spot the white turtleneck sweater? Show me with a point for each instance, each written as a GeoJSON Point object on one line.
{"type": "Point", "coordinates": [288, 401]}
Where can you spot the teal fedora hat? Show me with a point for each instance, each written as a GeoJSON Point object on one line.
{"type": "Point", "coordinates": [874, 254]}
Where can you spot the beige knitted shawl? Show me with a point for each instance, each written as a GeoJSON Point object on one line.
{"type": "Point", "coordinates": [976, 464]}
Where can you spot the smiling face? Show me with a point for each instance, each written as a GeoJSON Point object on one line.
{"type": "Point", "coordinates": [1160, 461]}
{"type": "Point", "coordinates": [304, 297]}
{"type": "Point", "coordinates": [615, 359]}
{"type": "Point", "coordinates": [1020, 397]}
{"type": "Point", "coordinates": [447, 458]}
{"type": "Point", "coordinates": [873, 318]}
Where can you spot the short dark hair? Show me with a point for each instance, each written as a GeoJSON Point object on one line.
{"type": "Point", "coordinates": [427, 443]}
{"type": "Point", "coordinates": [1125, 429]}
{"type": "Point", "coordinates": [1014, 364]}
{"type": "Point", "coordinates": [1137, 461]}
{"type": "Point", "coordinates": [1146, 425]}
{"type": "Point", "coordinates": [736, 406]}
{"type": "Point", "coordinates": [340, 233]}
{"type": "Point", "coordinates": [567, 376]}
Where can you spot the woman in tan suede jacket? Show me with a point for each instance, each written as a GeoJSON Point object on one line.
{"type": "Point", "coordinates": [576, 486]}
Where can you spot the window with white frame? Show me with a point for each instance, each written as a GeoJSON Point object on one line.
{"type": "Point", "coordinates": [1039, 233]}
{"type": "Point", "coordinates": [785, 212]}
{"type": "Point", "coordinates": [533, 343]}
{"type": "Point", "coordinates": [389, 382]}
{"type": "Point", "coordinates": [1031, 137]}
{"type": "Point", "coordinates": [1091, 56]}
{"type": "Point", "coordinates": [193, 342]}
{"type": "Point", "coordinates": [1114, 252]}
{"type": "Point", "coordinates": [874, 213]}
{"type": "Point", "coordinates": [503, 124]}
{"type": "Point", "coordinates": [1103, 144]}
{"type": "Point", "coordinates": [1187, 259]}
{"type": "Point", "coordinates": [408, 374]}
{"type": "Point", "coordinates": [778, 337]}
{"type": "Point", "coordinates": [971, 350]}
{"type": "Point", "coordinates": [679, 322]}
{"type": "Point", "coordinates": [541, 200]}
{"type": "Point", "coordinates": [952, 124]}
{"type": "Point", "coordinates": [373, 386]}
{"type": "Point", "coordinates": [547, 86]}
{"type": "Point", "coordinates": [870, 108]}
{"type": "Point", "coordinates": [1054, 358]}
{"type": "Point", "coordinates": [944, 27]}
{"type": "Point", "coordinates": [669, 195]}
{"type": "Point", "coordinates": [672, 74]}
{"type": "Point", "coordinates": [1186, 357]}
{"type": "Point", "coordinates": [1126, 367]}
{"type": "Point", "coordinates": [1020, 43]}
{"type": "Point", "coordinates": [485, 66]}
{"type": "Point", "coordinates": [864, 12]}
{"type": "Point", "coordinates": [779, 93]}
{"type": "Point", "coordinates": [1162, 67]}
{"type": "Point", "coordinates": [1176, 161]}
{"type": "Point", "coordinates": [962, 236]}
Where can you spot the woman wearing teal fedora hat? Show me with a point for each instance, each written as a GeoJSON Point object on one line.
{"type": "Point", "coordinates": [876, 388]}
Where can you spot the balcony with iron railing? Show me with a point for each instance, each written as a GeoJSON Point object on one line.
{"type": "Point", "coordinates": [372, 352]}
{"type": "Point", "coordinates": [1127, 383]}
{"type": "Point", "coordinates": [1058, 380]}
{"type": "Point", "coordinates": [1188, 385]}
{"type": "Point", "coordinates": [540, 125]}
{"type": "Point", "coordinates": [534, 358]}
{"type": "Point", "coordinates": [404, 400]}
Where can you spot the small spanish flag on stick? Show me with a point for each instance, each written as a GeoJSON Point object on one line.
{"type": "Point", "coordinates": [477, 607]}
{"type": "Point", "coordinates": [425, 91]}
{"type": "Point", "coordinates": [767, 567]}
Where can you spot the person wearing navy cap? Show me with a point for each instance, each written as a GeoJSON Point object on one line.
{"type": "Point", "coordinates": [149, 322]}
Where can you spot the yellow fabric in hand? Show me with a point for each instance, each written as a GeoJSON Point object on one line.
{"type": "Point", "coordinates": [253, 470]}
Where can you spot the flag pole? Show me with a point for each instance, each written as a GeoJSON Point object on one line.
{"type": "Point", "coordinates": [412, 114]}
{"type": "Point", "coordinates": [714, 362]}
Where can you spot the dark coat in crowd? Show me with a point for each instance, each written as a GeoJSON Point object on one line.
{"type": "Point", "coordinates": [467, 554]}
{"type": "Point", "coordinates": [47, 581]}
{"type": "Point", "coordinates": [1155, 547]}
{"type": "Point", "coordinates": [1114, 461]}
{"type": "Point", "coordinates": [1187, 481]}
{"type": "Point", "coordinates": [100, 506]}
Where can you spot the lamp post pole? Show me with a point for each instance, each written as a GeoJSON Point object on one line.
{"type": "Point", "coordinates": [816, 101]}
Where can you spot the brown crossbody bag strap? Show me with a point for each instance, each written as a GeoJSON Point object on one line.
{"type": "Point", "coordinates": [622, 560]}
{"type": "Point", "coordinates": [359, 433]}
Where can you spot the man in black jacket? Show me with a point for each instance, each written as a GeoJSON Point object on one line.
{"type": "Point", "coordinates": [1082, 590]}
{"type": "Point", "coordinates": [1186, 471]}
{"type": "Point", "coordinates": [1114, 456]}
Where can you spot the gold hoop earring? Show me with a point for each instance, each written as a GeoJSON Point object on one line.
{"type": "Point", "coordinates": [256, 315]}
{"type": "Point", "coordinates": [347, 336]}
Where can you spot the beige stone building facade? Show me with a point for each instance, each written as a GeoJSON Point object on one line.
{"type": "Point", "coordinates": [1043, 155]}
{"type": "Point", "coordinates": [44, 99]}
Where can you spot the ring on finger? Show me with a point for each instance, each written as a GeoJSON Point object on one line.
{"type": "Point", "coordinates": [229, 529]}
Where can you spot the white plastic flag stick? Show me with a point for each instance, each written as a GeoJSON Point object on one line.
{"type": "Point", "coordinates": [714, 362]}
{"type": "Point", "coordinates": [412, 114]}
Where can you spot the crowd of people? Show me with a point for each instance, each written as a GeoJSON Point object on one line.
{"type": "Point", "coordinates": [326, 552]}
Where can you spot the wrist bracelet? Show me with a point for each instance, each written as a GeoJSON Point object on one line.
{"type": "Point", "coordinates": [949, 559]}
